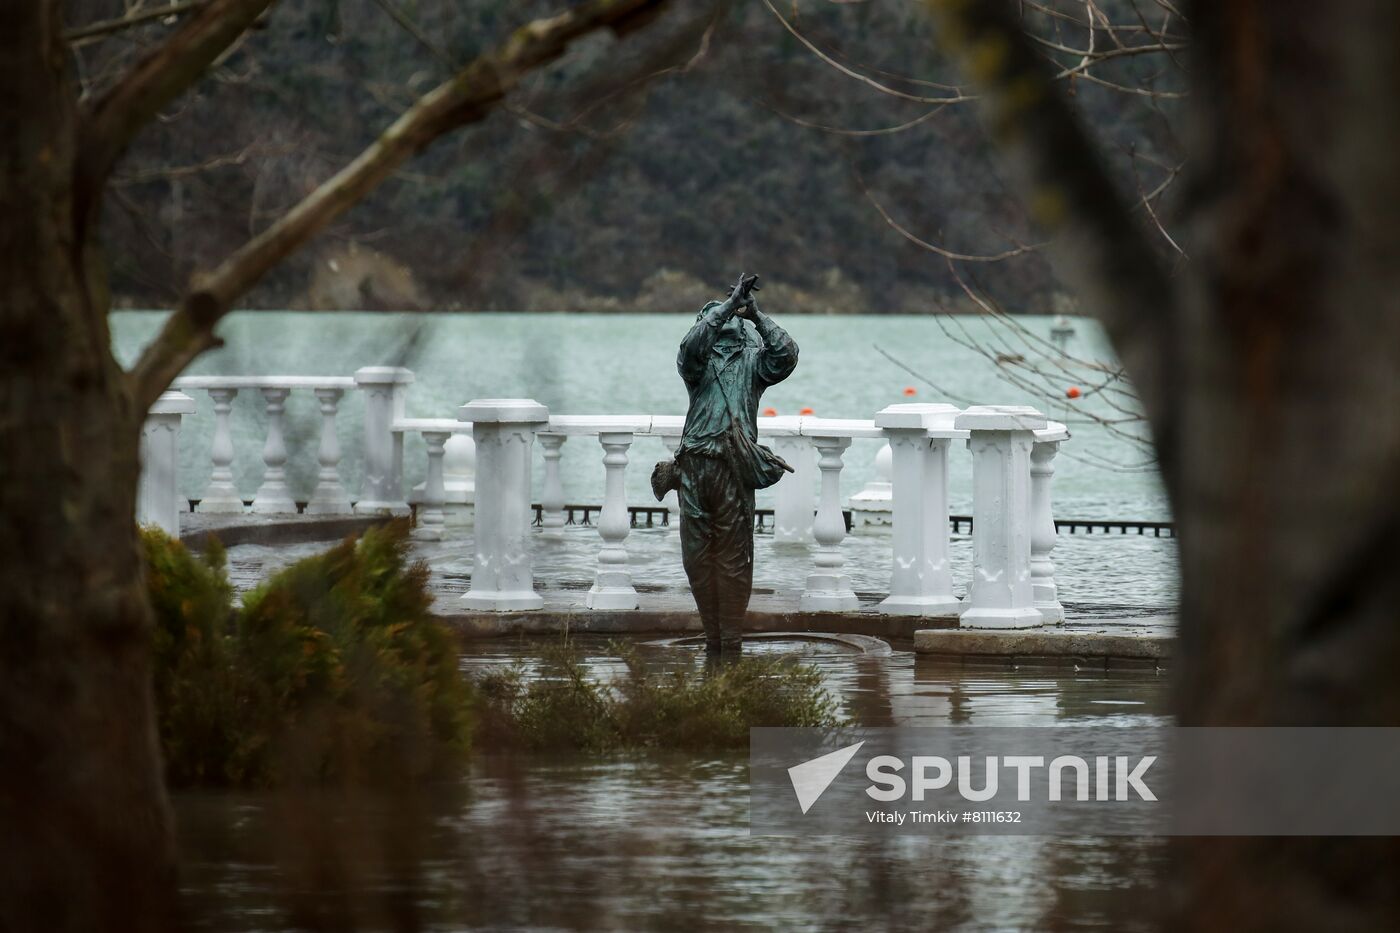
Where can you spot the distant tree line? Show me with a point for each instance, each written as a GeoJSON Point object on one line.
{"type": "Point", "coordinates": [752, 145]}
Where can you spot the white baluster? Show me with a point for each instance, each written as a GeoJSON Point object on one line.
{"type": "Point", "coordinates": [158, 499]}
{"type": "Point", "coordinates": [504, 431]}
{"type": "Point", "coordinates": [672, 499]}
{"type": "Point", "coordinates": [1046, 593]}
{"type": "Point", "coordinates": [612, 584]}
{"type": "Point", "coordinates": [921, 583]}
{"type": "Point", "coordinates": [329, 497]}
{"type": "Point", "coordinates": [793, 495]}
{"type": "Point", "coordinates": [552, 496]}
{"type": "Point", "coordinates": [273, 496]}
{"type": "Point", "coordinates": [828, 589]}
{"type": "Point", "coordinates": [382, 490]}
{"type": "Point", "coordinates": [222, 495]}
{"type": "Point", "coordinates": [459, 470]}
{"type": "Point", "coordinates": [431, 514]}
{"type": "Point", "coordinates": [873, 505]}
{"type": "Point", "coordinates": [1001, 595]}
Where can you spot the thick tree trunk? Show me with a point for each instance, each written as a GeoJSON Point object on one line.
{"type": "Point", "coordinates": [1289, 452]}
{"type": "Point", "coordinates": [88, 841]}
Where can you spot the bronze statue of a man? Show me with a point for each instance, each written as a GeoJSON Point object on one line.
{"type": "Point", "coordinates": [730, 356]}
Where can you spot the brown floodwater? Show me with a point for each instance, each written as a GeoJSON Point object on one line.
{"type": "Point", "coordinates": [661, 841]}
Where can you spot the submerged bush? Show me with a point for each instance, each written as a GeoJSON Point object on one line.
{"type": "Point", "coordinates": [687, 707]}
{"type": "Point", "coordinates": [332, 669]}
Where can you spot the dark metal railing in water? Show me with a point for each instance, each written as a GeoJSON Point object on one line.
{"type": "Point", "coordinates": [646, 516]}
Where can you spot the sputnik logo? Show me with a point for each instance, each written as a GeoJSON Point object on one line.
{"type": "Point", "coordinates": [811, 778]}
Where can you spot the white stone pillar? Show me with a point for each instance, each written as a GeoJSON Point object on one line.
{"type": "Point", "coordinates": [921, 582]}
{"type": "Point", "coordinates": [612, 583]}
{"type": "Point", "coordinates": [158, 496]}
{"type": "Point", "coordinates": [431, 516]}
{"type": "Point", "coordinates": [1046, 593]}
{"type": "Point", "coordinates": [1001, 438]}
{"type": "Point", "coordinates": [222, 495]}
{"type": "Point", "coordinates": [273, 496]}
{"type": "Point", "coordinates": [552, 496]}
{"type": "Point", "coordinates": [504, 431]}
{"type": "Point", "coordinates": [329, 497]}
{"type": "Point", "coordinates": [828, 589]}
{"type": "Point", "coordinates": [382, 490]}
{"type": "Point", "coordinates": [793, 500]}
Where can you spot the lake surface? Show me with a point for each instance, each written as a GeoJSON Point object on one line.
{"type": "Point", "coordinates": [616, 364]}
{"type": "Point", "coordinates": [660, 841]}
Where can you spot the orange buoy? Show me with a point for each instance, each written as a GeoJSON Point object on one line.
{"type": "Point", "coordinates": [770, 412]}
{"type": "Point", "coordinates": [1073, 392]}
{"type": "Point", "coordinates": [910, 391]}
{"type": "Point", "coordinates": [806, 411]}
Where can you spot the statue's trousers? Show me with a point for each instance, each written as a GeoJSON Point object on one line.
{"type": "Point", "coordinates": [717, 545]}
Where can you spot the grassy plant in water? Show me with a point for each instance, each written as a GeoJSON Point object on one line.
{"type": "Point", "coordinates": [333, 669]}
{"type": "Point", "coordinates": [648, 706]}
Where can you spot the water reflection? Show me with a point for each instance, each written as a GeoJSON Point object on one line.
{"type": "Point", "coordinates": [661, 841]}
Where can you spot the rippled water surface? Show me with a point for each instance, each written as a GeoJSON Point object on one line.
{"type": "Point", "coordinates": [661, 842]}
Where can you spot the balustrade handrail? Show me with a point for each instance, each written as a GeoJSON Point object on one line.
{"type": "Point", "coordinates": [264, 382]}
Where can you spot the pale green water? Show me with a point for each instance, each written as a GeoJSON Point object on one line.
{"type": "Point", "coordinates": [597, 364]}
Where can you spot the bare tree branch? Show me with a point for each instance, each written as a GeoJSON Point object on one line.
{"type": "Point", "coordinates": [160, 77]}
{"type": "Point", "coordinates": [1069, 192]}
{"type": "Point", "coordinates": [106, 27]}
{"type": "Point", "coordinates": [468, 97]}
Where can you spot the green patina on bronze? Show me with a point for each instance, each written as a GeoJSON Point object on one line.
{"type": "Point", "coordinates": [732, 354]}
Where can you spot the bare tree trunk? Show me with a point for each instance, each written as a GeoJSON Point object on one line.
{"type": "Point", "coordinates": [88, 841]}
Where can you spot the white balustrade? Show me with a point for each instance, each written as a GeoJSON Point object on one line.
{"type": "Point", "coordinates": [921, 580]}
{"type": "Point", "coordinates": [1046, 593]}
{"type": "Point", "coordinates": [794, 499]}
{"type": "Point", "coordinates": [552, 495]}
{"type": "Point", "coordinates": [384, 388]}
{"type": "Point", "coordinates": [502, 571]}
{"type": "Point", "coordinates": [222, 495]}
{"type": "Point", "coordinates": [329, 497]}
{"type": "Point", "coordinates": [1013, 450]}
{"type": "Point", "coordinates": [1001, 437]}
{"type": "Point", "coordinates": [158, 500]}
{"type": "Point", "coordinates": [828, 588]}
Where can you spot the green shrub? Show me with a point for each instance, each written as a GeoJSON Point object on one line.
{"type": "Point", "coordinates": [688, 707]}
{"type": "Point", "coordinates": [332, 670]}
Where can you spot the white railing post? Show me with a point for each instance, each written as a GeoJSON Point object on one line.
{"type": "Point", "coordinates": [329, 497]}
{"type": "Point", "coordinates": [431, 514]}
{"type": "Point", "coordinates": [222, 495]}
{"type": "Point", "coordinates": [1000, 595]}
{"type": "Point", "coordinates": [502, 573]}
{"type": "Point", "coordinates": [828, 589]}
{"type": "Point", "coordinates": [1046, 593]}
{"type": "Point", "coordinates": [273, 496]}
{"type": "Point", "coordinates": [921, 582]}
{"type": "Point", "coordinates": [793, 498]}
{"type": "Point", "coordinates": [384, 388]}
{"type": "Point", "coordinates": [612, 582]}
{"type": "Point", "coordinates": [552, 495]}
{"type": "Point", "coordinates": [158, 495]}
{"type": "Point", "coordinates": [669, 429]}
